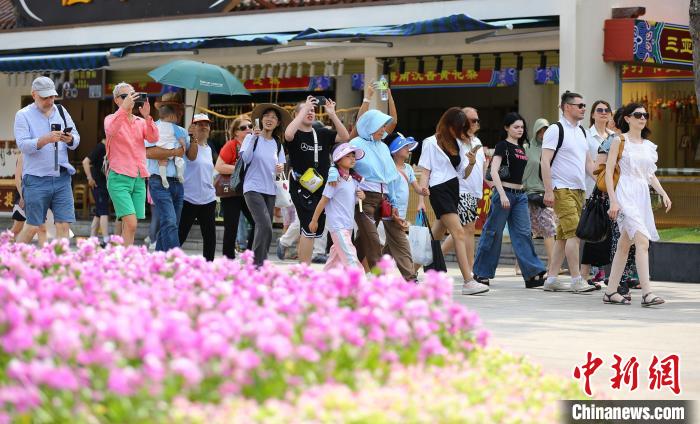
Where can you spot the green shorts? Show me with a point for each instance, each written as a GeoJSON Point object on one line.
{"type": "Point", "coordinates": [128, 195]}
{"type": "Point", "coordinates": [568, 204]}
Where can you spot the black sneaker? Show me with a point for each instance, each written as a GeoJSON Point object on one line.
{"type": "Point", "coordinates": [481, 280]}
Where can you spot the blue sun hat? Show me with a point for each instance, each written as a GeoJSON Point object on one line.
{"type": "Point", "coordinates": [400, 142]}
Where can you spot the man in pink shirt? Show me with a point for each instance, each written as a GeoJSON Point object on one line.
{"type": "Point", "coordinates": [126, 155]}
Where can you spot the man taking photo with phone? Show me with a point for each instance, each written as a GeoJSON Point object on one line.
{"type": "Point", "coordinates": [46, 171]}
{"type": "Point", "coordinates": [309, 155]}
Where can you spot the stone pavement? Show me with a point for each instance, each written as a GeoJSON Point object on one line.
{"type": "Point", "coordinates": [557, 330]}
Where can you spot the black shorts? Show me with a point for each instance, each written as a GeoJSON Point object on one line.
{"type": "Point", "coordinates": [444, 197]}
{"type": "Point", "coordinates": [305, 204]}
{"type": "Point", "coordinates": [101, 196]}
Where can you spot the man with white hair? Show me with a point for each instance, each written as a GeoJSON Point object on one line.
{"type": "Point", "coordinates": [46, 171]}
{"type": "Point", "coordinates": [126, 157]}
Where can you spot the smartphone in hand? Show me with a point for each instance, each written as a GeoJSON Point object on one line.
{"type": "Point", "coordinates": [321, 100]}
{"type": "Point", "coordinates": [55, 127]}
{"type": "Point", "coordinates": [68, 130]}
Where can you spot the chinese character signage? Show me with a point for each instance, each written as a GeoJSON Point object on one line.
{"type": "Point", "coordinates": [81, 85]}
{"type": "Point", "coordinates": [33, 13]}
{"type": "Point", "coordinates": [640, 73]}
{"type": "Point", "coordinates": [653, 43]}
{"type": "Point", "coordinates": [264, 85]}
{"type": "Point", "coordinates": [447, 79]}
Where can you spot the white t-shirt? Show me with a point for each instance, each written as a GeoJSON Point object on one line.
{"type": "Point", "coordinates": [474, 184]}
{"type": "Point", "coordinates": [437, 162]}
{"type": "Point", "coordinates": [569, 167]}
{"type": "Point", "coordinates": [260, 164]}
{"type": "Point", "coordinates": [340, 210]}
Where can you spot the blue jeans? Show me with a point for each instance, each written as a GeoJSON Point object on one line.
{"type": "Point", "coordinates": [168, 202]}
{"type": "Point", "coordinates": [154, 225]}
{"type": "Point", "coordinates": [243, 231]}
{"type": "Point", "coordinates": [518, 219]}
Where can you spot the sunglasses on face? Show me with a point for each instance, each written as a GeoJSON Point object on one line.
{"type": "Point", "coordinates": [640, 115]}
{"type": "Point", "coordinates": [245, 127]}
{"type": "Point", "coordinates": [579, 105]}
{"type": "Point", "coordinates": [602, 109]}
{"type": "Point", "coordinates": [123, 96]}
{"type": "Point", "coordinates": [475, 121]}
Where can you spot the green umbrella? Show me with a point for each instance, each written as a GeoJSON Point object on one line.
{"type": "Point", "coordinates": [198, 76]}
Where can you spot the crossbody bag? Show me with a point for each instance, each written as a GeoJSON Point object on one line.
{"type": "Point", "coordinates": [311, 180]}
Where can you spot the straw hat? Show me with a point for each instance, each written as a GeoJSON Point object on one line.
{"type": "Point", "coordinates": [171, 99]}
{"type": "Point", "coordinates": [262, 107]}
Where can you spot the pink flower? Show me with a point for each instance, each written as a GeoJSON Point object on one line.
{"type": "Point", "coordinates": [187, 369]}
{"type": "Point", "coordinates": [123, 381]}
{"type": "Point", "coordinates": [308, 353]}
{"type": "Point", "coordinates": [482, 337]}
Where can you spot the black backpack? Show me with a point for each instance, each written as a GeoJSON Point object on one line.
{"type": "Point", "coordinates": [560, 142]}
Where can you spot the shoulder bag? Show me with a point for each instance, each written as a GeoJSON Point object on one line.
{"type": "Point", "coordinates": [503, 171]}
{"type": "Point", "coordinates": [600, 172]}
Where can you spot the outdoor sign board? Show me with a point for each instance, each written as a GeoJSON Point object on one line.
{"type": "Point", "coordinates": [33, 13]}
{"type": "Point", "coordinates": [648, 42]}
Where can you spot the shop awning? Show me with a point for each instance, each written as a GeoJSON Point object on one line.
{"type": "Point", "coordinates": [202, 43]}
{"type": "Point", "coordinates": [54, 62]}
{"type": "Point", "coordinates": [453, 23]}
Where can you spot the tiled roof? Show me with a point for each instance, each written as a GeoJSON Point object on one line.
{"type": "Point", "coordinates": [8, 19]}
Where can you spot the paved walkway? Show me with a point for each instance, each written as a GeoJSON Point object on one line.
{"type": "Point", "coordinates": [556, 330]}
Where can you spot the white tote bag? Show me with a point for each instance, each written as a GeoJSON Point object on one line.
{"type": "Point", "coordinates": [419, 240]}
{"type": "Point", "coordinates": [282, 197]}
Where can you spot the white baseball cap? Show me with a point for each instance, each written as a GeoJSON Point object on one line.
{"type": "Point", "coordinates": [44, 87]}
{"type": "Point", "coordinates": [199, 117]}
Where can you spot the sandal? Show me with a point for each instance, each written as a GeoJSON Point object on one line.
{"type": "Point", "coordinates": [624, 292]}
{"type": "Point", "coordinates": [608, 299]}
{"type": "Point", "coordinates": [655, 300]}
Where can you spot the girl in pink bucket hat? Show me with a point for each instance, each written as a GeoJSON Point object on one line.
{"type": "Point", "coordinates": [339, 203]}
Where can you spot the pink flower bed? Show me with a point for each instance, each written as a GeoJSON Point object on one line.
{"type": "Point", "coordinates": [120, 333]}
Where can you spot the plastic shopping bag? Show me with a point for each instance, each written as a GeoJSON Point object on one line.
{"type": "Point", "coordinates": [419, 240]}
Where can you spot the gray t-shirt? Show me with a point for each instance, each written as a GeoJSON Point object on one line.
{"type": "Point", "coordinates": [260, 164]}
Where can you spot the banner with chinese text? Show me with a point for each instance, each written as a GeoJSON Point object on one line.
{"type": "Point", "coordinates": [447, 79]}
{"type": "Point", "coordinates": [639, 73]}
{"type": "Point", "coordinates": [263, 85]}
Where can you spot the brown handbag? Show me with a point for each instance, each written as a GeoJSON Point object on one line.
{"type": "Point", "coordinates": [600, 172]}
{"type": "Point", "coordinates": [222, 185]}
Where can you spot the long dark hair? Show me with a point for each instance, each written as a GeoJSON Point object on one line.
{"type": "Point", "coordinates": [509, 120]}
{"type": "Point", "coordinates": [453, 123]}
{"type": "Point", "coordinates": [595, 104]}
{"type": "Point", "coordinates": [627, 110]}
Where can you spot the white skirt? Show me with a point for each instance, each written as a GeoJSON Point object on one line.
{"type": "Point", "coordinates": [635, 207]}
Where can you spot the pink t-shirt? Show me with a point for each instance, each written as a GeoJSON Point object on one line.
{"type": "Point", "coordinates": [126, 152]}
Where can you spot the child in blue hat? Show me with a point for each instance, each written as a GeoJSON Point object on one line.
{"type": "Point", "coordinates": [397, 245]}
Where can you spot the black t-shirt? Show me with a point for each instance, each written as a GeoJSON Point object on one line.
{"type": "Point", "coordinates": [97, 156]}
{"type": "Point", "coordinates": [301, 150]}
{"type": "Point", "coordinates": [514, 157]}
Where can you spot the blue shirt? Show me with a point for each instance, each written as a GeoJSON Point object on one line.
{"type": "Point", "coordinates": [199, 173]}
{"type": "Point", "coordinates": [260, 164]}
{"type": "Point", "coordinates": [167, 130]}
{"type": "Point", "coordinates": [30, 125]}
{"type": "Point", "coordinates": [401, 189]}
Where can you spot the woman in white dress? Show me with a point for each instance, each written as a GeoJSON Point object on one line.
{"type": "Point", "coordinates": [630, 203]}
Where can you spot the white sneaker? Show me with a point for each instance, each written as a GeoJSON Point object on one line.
{"type": "Point", "coordinates": [152, 246]}
{"type": "Point", "coordinates": [474, 287]}
{"type": "Point", "coordinates": [581, 286]}
{"type": "Point", "coordinates": [557, 285]}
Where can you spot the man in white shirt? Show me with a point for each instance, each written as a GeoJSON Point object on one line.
{"type": "Point", "coordinates": [565, 162]}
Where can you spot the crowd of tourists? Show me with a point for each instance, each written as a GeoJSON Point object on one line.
{"type": "Point", "coordinates": [350, 189]}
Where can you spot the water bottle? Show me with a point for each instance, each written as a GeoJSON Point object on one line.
{"type": "Point", "coordinates": [383, 87]}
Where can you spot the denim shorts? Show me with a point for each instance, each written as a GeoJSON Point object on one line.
{"type": "Point", "coordinates": [42, 193]}
{"type": "Point", "coordinates": [101, 196]}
